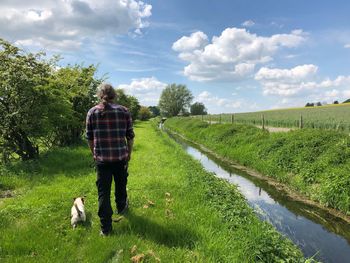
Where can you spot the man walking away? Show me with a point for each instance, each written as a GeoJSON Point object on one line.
{"type": "Point", "coordinates": [110, 135]}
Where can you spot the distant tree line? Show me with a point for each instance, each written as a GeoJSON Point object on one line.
{"type": "Point", "coordinates": [198, 108]}
{"type": "Point", "coordinates": [313, 104]}
{"type": "Point", "coordinates": [176, 100]}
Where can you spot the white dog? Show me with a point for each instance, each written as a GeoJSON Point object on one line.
{"type": "Point", "coordinates": [78, 211]}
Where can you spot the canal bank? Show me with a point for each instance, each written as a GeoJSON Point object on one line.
{"type": "Point", "coordinates": [313, 229]}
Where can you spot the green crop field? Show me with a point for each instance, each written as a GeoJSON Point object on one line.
{"type": "Point", "coordinates": [323, 117]}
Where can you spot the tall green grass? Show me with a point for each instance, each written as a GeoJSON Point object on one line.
{"type": "Point", "coordinates": [312, 161]}
{"type": "Point", "coordinates": [178, 212]}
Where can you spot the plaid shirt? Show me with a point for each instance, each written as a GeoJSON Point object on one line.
{"type": "Point", "coordinates": [109, 128]}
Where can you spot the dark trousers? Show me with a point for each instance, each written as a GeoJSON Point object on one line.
{"type": "Point", "coordinates": [105, 173]}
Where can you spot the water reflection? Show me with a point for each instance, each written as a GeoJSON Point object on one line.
{"type": "Point", "coordinates": [313, 230]}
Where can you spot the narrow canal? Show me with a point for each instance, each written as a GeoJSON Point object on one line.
{"type": "Point", "coordinates": [314, 230]}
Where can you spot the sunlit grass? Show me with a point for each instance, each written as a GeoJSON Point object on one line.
{"type": "Point", "coordinates": [178, 212]}
{"type": "Point", "coordinates": [312, 161]}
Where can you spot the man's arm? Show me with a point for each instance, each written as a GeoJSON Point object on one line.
{"type": "Point", "coordinates": [91, 145]}
{"type": "Point", "coordinates": [90, 133]}
{"type": "Point", "coordinates": [130, 135]}
{"type": "Point", "coordinates": [130, 145]}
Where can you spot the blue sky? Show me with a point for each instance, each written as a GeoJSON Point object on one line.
{"type": "Point", "coordinates": [235, 56]}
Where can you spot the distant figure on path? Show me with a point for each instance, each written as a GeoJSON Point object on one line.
{"type": "Point", "coordinates": [110, 135]}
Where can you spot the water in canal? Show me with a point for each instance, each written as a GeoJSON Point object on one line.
{"type": "Point", "coordinates": [314, 230]}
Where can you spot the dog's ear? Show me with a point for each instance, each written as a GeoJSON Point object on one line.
{"type": "Point", "coordinates": [74, 198]}
{"type": "Point", "coordinates": [83, 199]}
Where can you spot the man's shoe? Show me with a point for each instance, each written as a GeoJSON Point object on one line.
{"type": "Point", "coordinates": [125, 209]}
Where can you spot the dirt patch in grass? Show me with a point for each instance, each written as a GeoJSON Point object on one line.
{"type": "Point", "coordinates": [7, 194]}
{"type": "Point", "coordinates": [276, 129]}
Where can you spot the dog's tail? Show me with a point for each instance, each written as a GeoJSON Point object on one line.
{"type": "Point", "coordinates": [79, 212]}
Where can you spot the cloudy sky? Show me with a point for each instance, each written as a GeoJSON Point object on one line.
{"type": "Point", "coordinates": [234, 55]}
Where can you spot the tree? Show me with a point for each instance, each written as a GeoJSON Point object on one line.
{"type": "Point", "coordinates": [128, 101]}
{"type": "Point", "coordinates": [309, 104]}
{"type": "Point", "coordinates": [144, 113]}
{"type": "Point", "coordinates": [40, 104]}
{"type": "Point", "coordinates": [336, 102]}
{"type": "Point", "coordinates": [75, 86]}
{"type": "Point", "coordinates": [154, 110]}
{"type": "Point", "coordinates": [318, 104]}
{"type": "Point", "coordinates": [24, 101]}
{"type": "Point", "coordinates": [198, 108]}
{"type": "Point", "coordinates": [175, 99]}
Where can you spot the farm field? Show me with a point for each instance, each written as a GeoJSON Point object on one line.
{"type": "Point", "coordinates": [336, 117]}
{"type": "Point", "coordinates": [178, 212]}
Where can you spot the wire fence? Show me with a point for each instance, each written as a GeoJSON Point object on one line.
{"type": "Point", "coordinates": [298, 121]}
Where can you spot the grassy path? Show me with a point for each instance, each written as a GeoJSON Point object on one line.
{"type": "Point", "coordinates": [179, 213]}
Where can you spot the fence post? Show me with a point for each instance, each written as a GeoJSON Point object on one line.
{"type": "Point", "coordinates": [220, 118]}
{"type": "Point", "coordinates": [202, 117]}
{"type": "Point", "coordinates": [232, 118]}
{"type": "Point", "coordinates": [209, 119]}
{"type": "Point", "coordinates": [263, 121]}
{"type": "Point", "coordinates": [301, 122]}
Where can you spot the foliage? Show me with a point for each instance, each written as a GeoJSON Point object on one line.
{"type": "Point", "coordinates": [195, 217]}
{"type": "Point", "coordinates": [144, 113]}
{"type": "Point", "coordinates": [175, 99]}
{"type": "Point", "coordinates": [312, 161]}
{"type": "Point", "coordinates": [198, 108]}
{"type": "Point", "coordinates": [130, 102]}
{"type": "Point", "coordinates": [154, 110]}
{"type": "Point", "coordinates": [24, 101]}
{"type": "Point", "coordinates": [75, 87]}
{"type": "Point", "coordinates": [41, 104]}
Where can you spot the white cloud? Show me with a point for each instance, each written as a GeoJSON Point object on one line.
{"type": "Point", "coordinates": [287, 75]}
{"type": "Point", "coordinates": [146, 90]}
{"type": "Point", "coordinates": [347, 46]}
{"type": "Point", "coordinates": [231, 56]}
{"type": "Point", "coordinates": [197, 40]}
{"type": "Point", "coordinates": [216, 104]}
{"type": "Point", "coordinates": [208, 99]}
{"type": "Point", "coordinates": [57, 24]}
{"type": "Point", "coordinates": [346, 94]}
{"type": "Point", "coordinates": [301, 81]}
{"type": "Point", "coordinates": [332, 94]}
{"type": "Point", "coordinates": [248, 23]}
{"type": "Point", "coordinates": [291, 56]}
{"type": "Point", "coordinates": [276, 24]}
{"type": "Point", "coordinates": [338, 82]}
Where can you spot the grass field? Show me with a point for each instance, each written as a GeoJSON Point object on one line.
{"type": "Point", "coordinates": [335, 117]}
{"type": "Point", "coordinates": [178, 213]}
{"type": "Point", "coordinates": [312, 161]}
